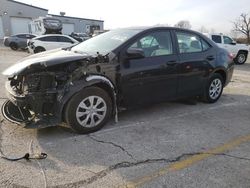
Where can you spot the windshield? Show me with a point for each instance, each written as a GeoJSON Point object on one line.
{"type": "Point", "coordinates": [105, 42]}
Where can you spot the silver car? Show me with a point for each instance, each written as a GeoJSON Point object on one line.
{"type": "Point", "coordinates": [18, 41]}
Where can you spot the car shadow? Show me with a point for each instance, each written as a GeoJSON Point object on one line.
{"type": "Point", "coordinates": [104, 149]}
{"type": "Point", "coordinates": [65, 145]}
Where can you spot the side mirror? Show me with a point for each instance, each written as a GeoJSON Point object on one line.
{"type": "Point", "coordinates": [135, 53]}
{"type": "Point", "coordinates": [233, 43]}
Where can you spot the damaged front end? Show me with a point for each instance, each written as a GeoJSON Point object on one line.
{"type": "Point", "coordinates": [31, 97]}
{"type": "Point", "coordinates": [38, 93]}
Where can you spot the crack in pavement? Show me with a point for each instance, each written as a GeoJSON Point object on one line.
{"type": "Point", "coordinates": [232, 156]}
{"type": "Point", "coordinates": [126, 164]}
{"type": "Point", "coordinates": [113, 144]}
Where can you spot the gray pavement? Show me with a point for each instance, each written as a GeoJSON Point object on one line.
{"type": "Point", "coordinates": [158, 146]}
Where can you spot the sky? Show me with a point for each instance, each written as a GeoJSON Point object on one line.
{"type": "Point", "coordinates": [212, 14]}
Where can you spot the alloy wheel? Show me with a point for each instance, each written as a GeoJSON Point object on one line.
{"type": "Point", "coordinates": [215, 88]}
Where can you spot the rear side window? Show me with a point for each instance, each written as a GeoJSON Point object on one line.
{"type": "Point", "coordinates": [190, 43]}
{"type": "Point", "coordinates": [216, 38]}
{"type": "Point", "coordinates": [48, 39]}
{"type": "Point", "coordinates": [32, 36]}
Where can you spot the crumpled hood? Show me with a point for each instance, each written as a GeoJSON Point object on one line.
{"type": "Point", "coordinates": [47, 59]}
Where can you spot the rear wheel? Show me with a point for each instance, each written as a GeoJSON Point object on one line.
{"type": "Point", "coordinates": [88, 110]}
{"type": "Point", "coordinates": [214, 88]}
{"type": "Point", "coordinates": [39, 49]}
{"type": "Point", "coordinates": [13, 46]}
{"type": "Point", "coordinates": [241, 58]}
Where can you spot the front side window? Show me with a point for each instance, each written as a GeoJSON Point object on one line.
{"type": "Point", "coordinates": [64, 39]}
{"type": "Point", "coordinates": [216, 38]}
{"type": "Point", "coordinates": [227, 40]}
{"type": "Point", "coordinates": [155, 44]}
{"type": "Point", "coordinates": [189, 43]}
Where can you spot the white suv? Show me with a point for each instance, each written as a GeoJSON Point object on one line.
{"type": "Point", "coordinates": [49, 42]}
{"type": "Point", "coordinates": [239, 51]}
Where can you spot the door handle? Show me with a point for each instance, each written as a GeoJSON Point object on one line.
{"type": "Point", "coordinates": [171, 63]}
{"type": "Point", "coordinates": [210, 58]}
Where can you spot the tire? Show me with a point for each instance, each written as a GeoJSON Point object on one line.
{"type": "Point", "coordinates": [85, 118]}
{"type": "Point", "coordinates": [39, 49]}
{"type": "Point", "coordinates": [241, 58]}
{"type": "Point", "coordinates": [14, 46]}
{"type": "Point", "coordinates": [214, 88]}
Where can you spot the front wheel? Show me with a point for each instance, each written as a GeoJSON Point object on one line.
{"type": "Point", "coordinates": [39, 50]}
{"type": "Point", "coordinates": [214, 88]}
{"type": "Point", "coordinates": [88, 110]}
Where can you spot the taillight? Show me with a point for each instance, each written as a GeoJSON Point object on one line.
{"type": "Point", "coordinates": [231, 56]}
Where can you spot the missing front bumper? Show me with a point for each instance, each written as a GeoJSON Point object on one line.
{"type": "Point", "coordinates": [16, 114]}
{"type": "Point", "coordinates": [25, 118]}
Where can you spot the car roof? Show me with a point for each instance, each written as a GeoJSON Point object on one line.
{"type": "Point", "coordinates": [23, 34]}
{"type": "Point", "coordinates": [145, 28]}
{"type": "Point", "coordinates": [49, 35]}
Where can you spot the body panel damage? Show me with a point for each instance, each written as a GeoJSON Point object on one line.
{"type": "Point", "coordinates": [42, 84]}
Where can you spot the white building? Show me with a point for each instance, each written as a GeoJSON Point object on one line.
{"type": "Point", "coordinates": [16, 16]}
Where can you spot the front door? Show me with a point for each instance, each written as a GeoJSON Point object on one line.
{"type": "Point", "coordinates": [229, 45]}
{"type": "Point", "coordinates": [154, 77]}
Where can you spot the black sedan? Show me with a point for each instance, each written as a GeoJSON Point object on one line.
{"type": "Point", "coordinates": [86, 84]}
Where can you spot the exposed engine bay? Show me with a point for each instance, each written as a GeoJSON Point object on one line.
{"type": "Point", "coordinates": [39, 92]}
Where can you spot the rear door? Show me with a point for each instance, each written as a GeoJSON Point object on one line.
{"type": "Point", "coordinates": [154, 77]}
{"type": "Point", "coordinates": [196, 57]}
